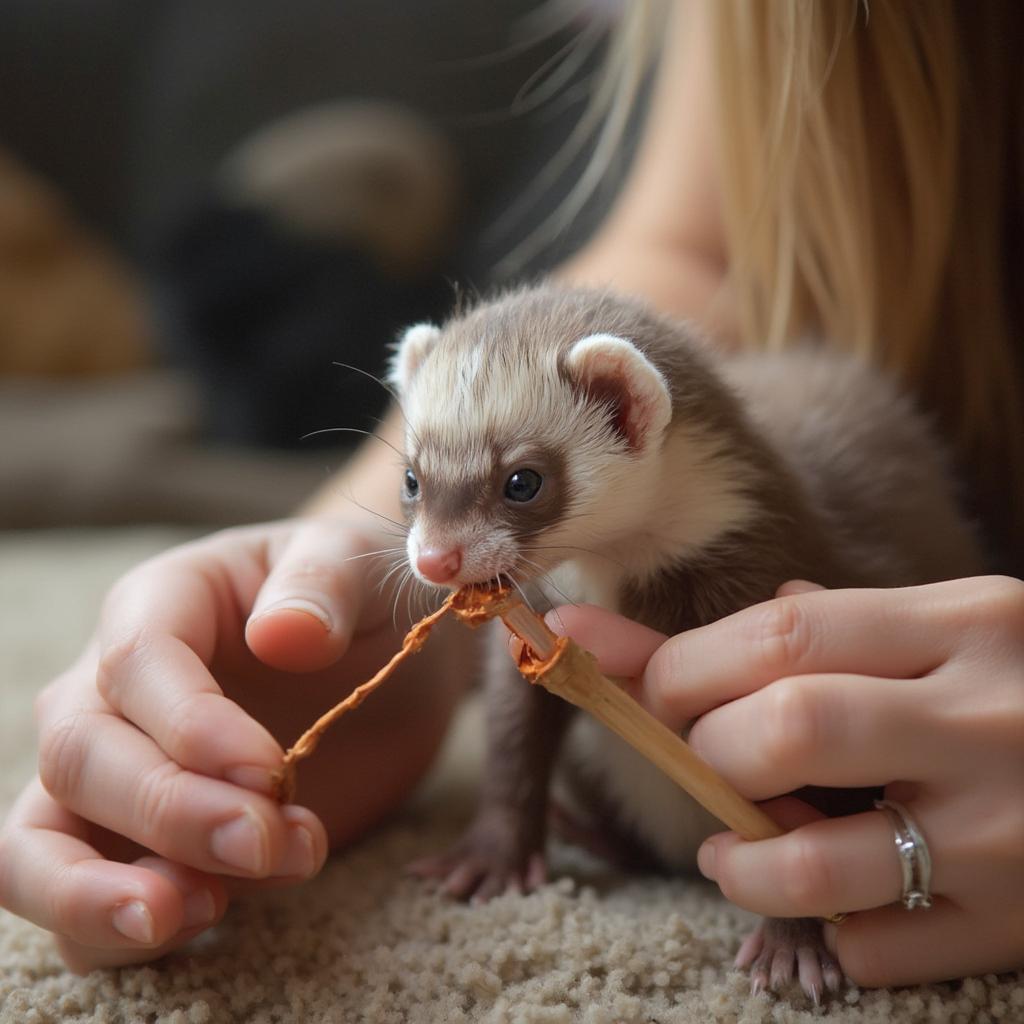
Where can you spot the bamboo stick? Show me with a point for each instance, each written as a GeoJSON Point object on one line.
{"type": "Point", "coordinates": [565, 669]}
{"type": "Point", "coordinates": [562, 667]}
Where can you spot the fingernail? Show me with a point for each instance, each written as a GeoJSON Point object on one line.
{"type": "Point", "coordinates": [134, 921]}
{"type": "Point", "coordinates": [199, 909]}
{"type": "Point", "coordinates": [241, 843]}
{"type": "Point", "coordinates": [297, 604]}
{"type": "Point", "coordinates": [300, 857]}
{"type": "Point", "coordinates": [706, 860]}
{"type": "Point", "coordinates": [251, 776]}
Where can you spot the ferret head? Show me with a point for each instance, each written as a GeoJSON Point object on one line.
{"type": "Point", "coordinates": [531, 433]}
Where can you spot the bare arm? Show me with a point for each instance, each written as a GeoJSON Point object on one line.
{"type": "Point", "coordinates": [663, 240]}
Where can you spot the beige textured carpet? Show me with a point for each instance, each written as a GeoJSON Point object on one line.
{"type": "Point", "coordinates": [364, 944]}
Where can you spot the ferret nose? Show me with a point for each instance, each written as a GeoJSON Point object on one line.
{"type": "Point", "coordinates": [439, 565]}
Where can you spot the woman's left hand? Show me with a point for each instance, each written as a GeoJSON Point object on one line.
{"type": "Point", "coordinates": [918, 690]}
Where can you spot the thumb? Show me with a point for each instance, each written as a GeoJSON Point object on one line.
{"type": "Point", "coordinates": [310, 603]}
{"type": "Point", "coordinates": [622, 647]}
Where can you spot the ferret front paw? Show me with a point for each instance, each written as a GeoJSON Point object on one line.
{"type": "Point", "coordinates": [780, 946]}
{"type": "Point", "coordinates": [493, 857]}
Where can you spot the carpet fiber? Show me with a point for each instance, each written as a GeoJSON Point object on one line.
{"type": "Point", "coordinates": [363, 943]}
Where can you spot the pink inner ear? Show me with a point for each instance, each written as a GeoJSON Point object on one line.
{"type": "Point", "coordinates": [612, 392]}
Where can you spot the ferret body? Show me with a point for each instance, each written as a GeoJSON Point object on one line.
{"type": "Point", "coordinates": [578, 437]}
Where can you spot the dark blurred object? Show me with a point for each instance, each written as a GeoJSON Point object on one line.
{"type": "Point", "coordinates": [133, 111]}
{"type": "Point", "coordinates": [261, 317]}
{"type": "Point", "coordinates": [130, 106]}
{"type": "Point", "coordinates": [328, 234]}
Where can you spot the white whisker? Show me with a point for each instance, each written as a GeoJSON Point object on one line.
{"type": "Point", "coordinates": [522, 593]}
{"type": "Point", "coordinates": [390, 390]}
{"type": "Point", "coordinates": [371, 554]}
{"type": "Point", "coordinates": [543, 579]}
{"type": "Point", "coordinates": [354, 430]}
{"type": "Point", "coordinates": [406, 576]}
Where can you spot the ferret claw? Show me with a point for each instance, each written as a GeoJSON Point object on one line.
{"type": "Point", "coordinates": [833, 976]}
{"type": "Point", "coordinates": [778, 948]}
{"type": "Point", "coordinates": [480, 866]}
{"type": "Point", "coordinates": [782, 969]}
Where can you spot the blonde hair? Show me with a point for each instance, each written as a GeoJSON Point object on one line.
{"type": "Point", "coordinates": [866, 155]}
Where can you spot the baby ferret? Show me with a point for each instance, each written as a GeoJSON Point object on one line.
{"type": "Point", "coordinates": [578, 438]}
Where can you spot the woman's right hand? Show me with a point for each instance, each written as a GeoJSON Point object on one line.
{"type": "Point", "coordinates": [153, 799]}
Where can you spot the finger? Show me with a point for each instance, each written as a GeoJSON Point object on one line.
{"type": "Point", "coordinates": [826, 730]}
{"type": "Point", "coordinates": [310, 603]}
{"type": "Point", "coordinates": [824, 867]}
{"type": "Point", "coordinates": [161, 626]}
{"type": "Point", "coordinates": [893, 946]}
{"type": "Point", "coordinates": [868, 632]}
{"type": "Point", "coordinates": [160, 684]}
{"type": "Point", "coordinates": [203, 904]}
{"type": "Point", "coordinates": [622, 647]}
{"type": "Point", "coordinates": [50, 875]}
{"type": "Point", "coordinates": [107, 772]}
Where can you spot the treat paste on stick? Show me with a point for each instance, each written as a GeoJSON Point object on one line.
{"type": "Point", "coordinates": [284, 778]}
{"type": "Point", "coordinates": [565, 669]}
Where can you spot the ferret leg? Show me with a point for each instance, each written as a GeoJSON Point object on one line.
{"type": "Point", "coordinates": [503, 847]}
{"type": "Point", "coordinates": [780, 946]}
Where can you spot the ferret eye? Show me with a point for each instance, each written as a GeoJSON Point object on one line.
{"type": "Point", "coordinates": [412, 485]}
{"type": "Point", "coordinates": [523, 485]}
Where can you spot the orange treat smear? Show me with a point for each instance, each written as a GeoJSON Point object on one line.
{"type": "Point", "coordinates": [531, 666]}
{"type": "Point", "coordinates": [472, 605]}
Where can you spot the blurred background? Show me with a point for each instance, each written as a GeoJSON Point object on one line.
{"type": "Point", "coordinates": [206, 206]}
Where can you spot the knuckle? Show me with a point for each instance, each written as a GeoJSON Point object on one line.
{"type": "Point", "coordinates": [786, 635]}
{"type": "Point", "coordinates": [792, 729]}
{"type": "Point", "coordinates": [662, 679]}
{"type": "Point", "coordinates": [47, 700]}
{"type": "Point", "coordinates": [807, 883]}
{"type": "Point", "coordinates": [1000, 601]}
{"type": "Point", "coordinates": [155, 803]}
{"type": "Point", "coordinates": [116, 661]}
{"type": "Point", "coordinates": [63, 902]}
{"type": "Point", "coordinates": [186, 739]}
{"type": "Point", "coordinates": [63, 751]}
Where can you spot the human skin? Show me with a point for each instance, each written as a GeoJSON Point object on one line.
{"type": "Point", "coordinates": [170, 723]}
{"type": "Point", "coordinates": [918, 690]}
{"type": "Point", "coordinates": [200, 643]}
{"type": "Point", "coordinates": [262, 675]}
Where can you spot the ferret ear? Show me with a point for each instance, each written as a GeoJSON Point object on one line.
{"type": "Point", "coordinates": [410, 351]}
{"type": "Point", "coordinates": [615, 371]}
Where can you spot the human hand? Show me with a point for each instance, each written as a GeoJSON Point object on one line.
{"type": "Point", "coordinates": [152, 806]}
{"type": "Point", "coordinates": [917, 690]}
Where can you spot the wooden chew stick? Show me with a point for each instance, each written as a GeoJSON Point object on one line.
{"type": "Point", "coordinates": [565, 669]}
{"type": "Point", "coordinates": [562, 667]}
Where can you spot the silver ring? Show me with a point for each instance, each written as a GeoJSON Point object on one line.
{"type": "Point", "coordinates": [915, 858]}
